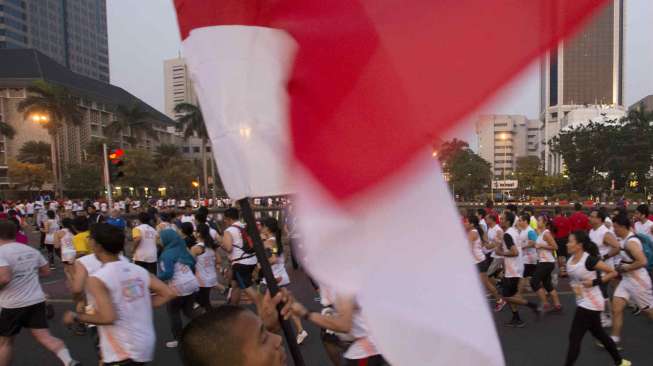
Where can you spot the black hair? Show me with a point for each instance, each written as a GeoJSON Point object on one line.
{"type": "Point", "coordinates": [69, 224]}
{"type": "Point", "coordinates": [599, 213]}
{"type": "Point", "coordinates": [202, 210]}
{"type": "Point", "coordinates": [232, 213]}
{"type": "Point", "coordinates": [621, 211]}
{"type": "Point", "coordinates": [200, 217]}
{"type": "Point", "coordinates": [165, 217]}
{"type": "Point", "coordinates": [8, 230]}
{"type": "Point", "coordinates": [144, 218]}
{"type": "Point", "coordinates": [187, 229]}
{"type": "Point", "coordinates": [622, 220]}
{"type": "Point", "coordinates": [12, 212]}
{"type": "Point", "coordinates": [205, 233]}
{"type": "Point", "coordinates": [16, 222]}
{"type": "Point", "coordinates": [578, 206]}
{"type": "Point", "coordinates": [492, 216]}
{"type": "Point", "coordinates": [51, 214]}
{"type": "Point", "coordinates": [643, 209]}
{"type": "Point", "coordinates": [80, 223]}
{"type": "Point", "coordinates": [481, 212]}
{"type": "Point", "coordinates": [548, 222]}
{"type": "Point", "coordinates": [217, 325]}
{"type": "Point", "coordinates": [509, 218]}
{"type": "Point", "coordinates": [557, 210]}
{"type": "Point", "coordinates": [273, 225]}
{"type": "Point", "coordinates": [109, 237]}
{"type": "Point", "coordinates": [511, 207]}
{"type": "Point", "coordinates": [525, 216]}
{"type": "Point", "coordinates": [489, 204]}
{"type": "Point", "coordinates": [588, 245]}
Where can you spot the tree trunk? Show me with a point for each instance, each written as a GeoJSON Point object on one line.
{"type": "Point", "coordinates": [205, 178]}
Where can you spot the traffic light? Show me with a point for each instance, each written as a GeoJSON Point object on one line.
{"type": "Point", "coordinates": [115, 164]}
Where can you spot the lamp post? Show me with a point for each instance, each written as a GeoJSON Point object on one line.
{"type": "Point", "coordinates": [43, 119]}
{"type": "Point", "coordinates": [504, 137]}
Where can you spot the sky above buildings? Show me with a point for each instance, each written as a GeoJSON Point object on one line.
{"type": "Point", "coordinates": [144, 33]}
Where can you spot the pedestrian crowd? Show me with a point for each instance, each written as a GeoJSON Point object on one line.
{"type": "Point", "coordinates": [606, 256]}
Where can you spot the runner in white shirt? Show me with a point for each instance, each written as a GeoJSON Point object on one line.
{"type": "Point", "coordinates": [495, 240]}
{"type": "Point", "coordinates": [144, 236]}
{"type": "Point", "coordinates": [188, 216]}
{"type": "Point", "coordinates": [608, 247]}
{"type": "Point", "coordinates": [64, 243]}
{"type": "Point", "coordinates": [514, 270]}
{"type": "Point", "coordinates": [122, 301]}
{"type": "Point", "coordinates": [583, 266]}
{"type": "Point", "coordinates": [177, 268]}
{"type": "Point", "coordinates": [242, 264]}
{"type": "Point", "coordinates": [527, 238]}
{"type": "Point", "coordinates": [542, 282]}
{"type": "Point", "coordinates": [207, 267]}
{"type": "Point", "coordinates": [643, 225]}
{"type": "Point", "coordinates": [635, 284]}
{"type": "Point", "coordinates": [21, 298]}
{"type": "Point", "coordinates": [29, 209]}
{"type": "Point", "coordinates": [477, 240]}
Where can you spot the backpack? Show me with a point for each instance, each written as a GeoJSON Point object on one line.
{"type": "Point", "coordinates": [647, 248]}
{"type": "Point", "coordinates": [248, 243]}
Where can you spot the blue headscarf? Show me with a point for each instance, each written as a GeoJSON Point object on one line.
{"type": "Point", "coordinates": [174, 250]}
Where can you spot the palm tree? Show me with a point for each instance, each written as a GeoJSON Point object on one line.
{"type": "Point", "coordinates": [133, 119]}
{"type": "Point", "coordinates": [192, 124]}
{"type": "Point", "coordinates": [36, 152]}
{"type": "Point", "coordinates": [61, 109]}
{"type": "Point", "coordinates": [165, 154]}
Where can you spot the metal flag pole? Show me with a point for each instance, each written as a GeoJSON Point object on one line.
{"type": "Point", "coordinates": [107, 179]}
{"type": "Point", "coordinates": [253, 232]}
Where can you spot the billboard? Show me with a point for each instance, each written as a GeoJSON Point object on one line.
{"type": "Point", "coordinates": [504, 184]}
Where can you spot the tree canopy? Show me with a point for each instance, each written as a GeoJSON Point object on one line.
{"type": "Point", "coordinates": [467, 173]}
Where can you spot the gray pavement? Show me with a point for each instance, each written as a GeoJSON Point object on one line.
{"type": "Point", "coordinates": [540, 343]}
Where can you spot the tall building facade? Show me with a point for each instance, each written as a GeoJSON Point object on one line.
{"type": "Point", "coordinates": [179, 89]}
{"type": "Point", "coordinates": [71, 32]}
{"type": "Point", "coordinates": [582, 71]}
{"type": "Point", "coordinates": [503, 138]}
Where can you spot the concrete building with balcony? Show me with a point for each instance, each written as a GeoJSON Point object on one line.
{"type": "Point", "coordinates": [19, 68]}
{"type": "Point", "coordinates": [504, 138]}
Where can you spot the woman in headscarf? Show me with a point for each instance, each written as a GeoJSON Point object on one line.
{"type": "Point", "coordinates": [177, 268]}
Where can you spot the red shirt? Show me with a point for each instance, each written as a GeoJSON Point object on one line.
{"type": "Point", "coordinates": [579, 221]}
{"type": "Point", "coordinates": [562, 226]}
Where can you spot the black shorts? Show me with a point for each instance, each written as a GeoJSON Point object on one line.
{"type": "Point", "coordinates": [150, 267]}
{"type": "Point", "coordinates": [483, 266]}
{"type": "Point", "coordinates": [510, 286]}
{"type": "Point", "coordinates": [242, 274]}
{"type": "Point", "coordinates": [13, 320]}
{"type": "Point", "coordinates": [127, 362]}
{"type": "Point", "coordinates": [376, 360]}
{"type": "Point", "coordinates": [529, 269]}
{"type": "Point", "coordinates": [562, 246]}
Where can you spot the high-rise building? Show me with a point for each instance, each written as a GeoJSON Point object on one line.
{"type": "Point", "coordinates": [584, 70]}
{"type": "Point", "coordinates": [502, 138]}
{"type": "Point", "coordinates": [178, 86]}
{"type": "Point", "coordinates": [72, 32]}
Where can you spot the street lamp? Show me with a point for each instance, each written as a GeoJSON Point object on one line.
{"type": "Point", "coordinates": [196, 184]}
{"type": "Point", "coordinates": [504, 137]}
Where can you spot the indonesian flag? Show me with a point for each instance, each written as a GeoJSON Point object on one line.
{"type": "Point", "coordinates": [339, 102]}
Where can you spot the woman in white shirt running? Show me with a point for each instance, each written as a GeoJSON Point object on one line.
{"type": "Point", "coordinates": [478, 240]}
{"type": "Point", "coordinates": [49, 228]}
{"type": "Point", "coordinates": [206, 268]}
{"type": "Point", "coordinates": [271, 235]}
{"type": "Point", "coordinates": [64, 243]}
{"type": "Point", "coordinates": [541, 281]}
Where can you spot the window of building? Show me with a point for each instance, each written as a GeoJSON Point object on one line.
{"type": "Point", "coordinates": [208, 149]}
{"type": "Point", "coordinates": [500, 124]}
{"type": "Point", "coordinates": [186, 149]}
{"type": "Point", "coordinates": [554, 115]}
{"type": "Point", "coordinates": [196, 149]}
{"type": "Point", "coordinates": [553, 77]}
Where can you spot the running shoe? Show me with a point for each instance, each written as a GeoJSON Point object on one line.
{"type": "Point", "coordinates": [74, 363]}
{"type": "Point", "coordinates": [172, 344]}
{"type": "Point", "coordinates": [636, 310]}
{"type": "Point", "coordinates": [606, 320]}
{"type": "Point", "coordinates": [625, 362]}
{"type": "Point", "coordinates": [499, 305]}
{"type": "Point", "coordinates": [618, 344]}
{"type": "Point", "coordinates": [515, 323]}
{"type": "Point", "coordinates": [301, 337]}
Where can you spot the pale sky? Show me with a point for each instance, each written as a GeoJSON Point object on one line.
{"type": "Point", "coordinates": [143, 33]}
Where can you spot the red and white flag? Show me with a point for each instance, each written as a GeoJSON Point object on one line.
{"type": "Point", "coordinates": [339, 101]}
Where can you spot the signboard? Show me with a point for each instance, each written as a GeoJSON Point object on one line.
{"type": "Point", "coordinates": [504, 184]}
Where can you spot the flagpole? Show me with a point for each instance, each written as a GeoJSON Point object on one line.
{"type": "Point", "coordinates": [266, 269]}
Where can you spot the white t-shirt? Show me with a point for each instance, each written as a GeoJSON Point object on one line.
{"type": "Point", "coordinates": [477, 249]}
{"type": "Point", "coordinates": [92, 265]}
{"type": "Point", "coordinates": [495, 235]}
{"type": "Point", "coordinates": [146, 251]}
{"type": "Point", "coordinates": [30, 208]}
{"type": "Point", "coordinates": [68, 251]}
{"type": "Point", "coordinates": [205, 268]}
{"type": "Point", "coordinates": [598, 237]}
{"type": "Point", "coordinates": [544, 255]}
{"type": "Point", "coordinates": [187, 218]}
{"type": "Point", "coordinates": [530, 254]}
{"type": "Point", "coordinates": [279, 269]}
{"type": "Point", "coordinates": [132, 335]}
{"type": "Point", "coordinates": [24, 288]}
{"type": "Point", "coordinates": [624, 257]}
{"type": "Point", "coordinates": [54, 227]}
{"type": "Point", "coordinates": [237, 241]}
{"type": "Point", "coordinates": [514, 266]}
{"type": "Point", "coordinates": [645, 228]}
{"type": "Point", "coordinates": [183, 281]}
{"type": "Point", "coordinates": [363, 346]}
{"type": "Point", "coordinates": [586, 297]}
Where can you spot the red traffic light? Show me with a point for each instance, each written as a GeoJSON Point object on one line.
{"type": "Point", "coordinates": [116, 154]}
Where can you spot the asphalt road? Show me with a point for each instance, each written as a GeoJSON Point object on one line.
{"type": "Point", "coordinates": [540, 343]}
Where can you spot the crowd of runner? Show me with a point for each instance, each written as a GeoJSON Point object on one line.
{"type": "Point", "coordinates": [608, 258]}
{"type": "Point", "coordinates": [120, 264]}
